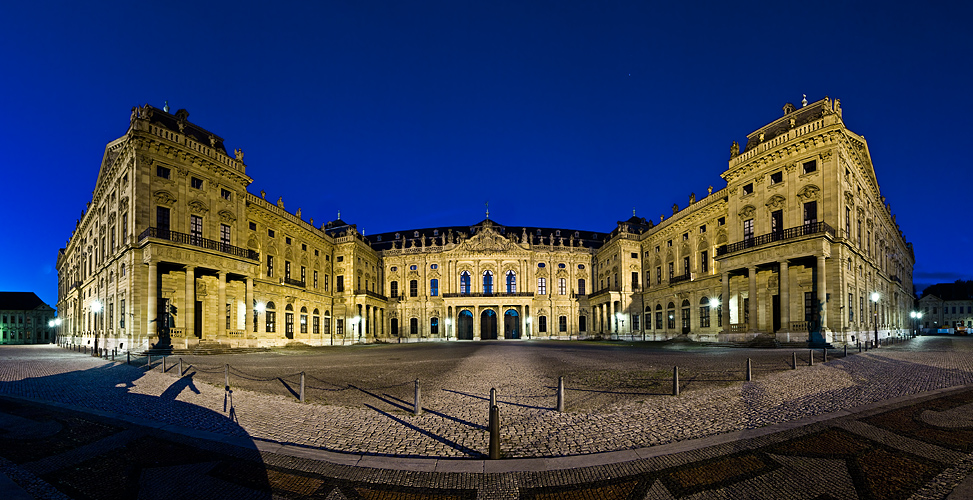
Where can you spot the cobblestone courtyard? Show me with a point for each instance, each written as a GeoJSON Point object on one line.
{"type": "Point", "coordinates": [360, 398]}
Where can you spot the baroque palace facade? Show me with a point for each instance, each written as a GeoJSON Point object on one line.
{"type": "Point", "coordinates": [173, 250]}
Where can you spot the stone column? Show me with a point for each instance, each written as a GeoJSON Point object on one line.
{"type": "Point", "coordinates": [752, 272]}
{"type": "Point", "coordinates": [248, 307]}
{"type": "Point", "coordinates": [221, 306]}
{"type": "Point", "coordinates": [476, 322]}
{"type": "Point", "coordinates": [151, 306]}
{"type": "Point", "coordinates": [724, 303]}
{"type": "Point", "coordinates": [189, 313]}
{"type": "Point", "coordinates": [785, 293]}
{"type": "Point", "coordinates": [822, 293]}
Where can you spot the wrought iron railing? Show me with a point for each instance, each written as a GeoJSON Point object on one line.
{"type": "Point", "coordinates": [371, 294]}
{"type": "Point", "coordinates": [294, 282]}
{"type": "Point", "coordinates": [605, 290]}
{"type": "Point", "coordinates": [677, 279]}
{"type": "Point", "coordinates": [789, 233]}
{"type": "Point", "coordinates": [198, 241]}
{"type": "Point", "coordinates": [488, 294]}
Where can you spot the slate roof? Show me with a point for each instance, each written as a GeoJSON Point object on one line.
{"type": "Point", "coordinates": [197, 133]}
{"type": "Point", "coordinates": [385, 241]}
{"type": "Point", "coordinates": [20, 301]}
{"type": "Point", "coordinates": [801, 116]}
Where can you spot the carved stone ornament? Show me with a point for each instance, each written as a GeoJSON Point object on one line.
{"type": "Point", "coordinates": [808, 193]}
{"type": "Point", "coordinates": [747, 212]}
{"type": "Point", "coordinates": [790, 168]}
{"type": "Point", "coordinates": [164, 198]}
{"type": "Point", "coordinates": [200, 289]}
{"type": "Point", "coordinates": [252, 242]}
{"type": "Point", "coordinates": [849, 199]}
{"type": "Point", "coordinates": [227, 216]}
{"type": "Point", "coordinates": [198, 207]}
{"type": "Point", "coordinates": [487, 241]}
{"type": "Point", "coordinates": [776, 202]}
{"type": "Point", "coordinates": [826, 155]}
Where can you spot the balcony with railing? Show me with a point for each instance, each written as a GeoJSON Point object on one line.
{"type": "Point", "coordinates": [198, 241]}
{"type": "Point", "coordinates": [488, 294]}
{"type": "Point", "coordinates": [294, 282]}
{"type": "Point", "coordinates": [605, 290]}
{"type": "Point", "coordinates": [773, 237]}
{"type": "Point", "coordinates": [677, 279]}
{"type": "Point", "coordinates": [372, 294]}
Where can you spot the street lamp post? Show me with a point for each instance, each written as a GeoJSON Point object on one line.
{"type": "Point", "coordinates": [875, 296]}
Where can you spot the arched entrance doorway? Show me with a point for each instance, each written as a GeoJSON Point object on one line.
{"type": "Point", "coordinates": [511, 324]}
{"type": "Point", "coordinates": [488, 325]}
{"type": "Point", "coordinates": [464, 326]}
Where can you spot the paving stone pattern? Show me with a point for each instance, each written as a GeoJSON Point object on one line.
{"type": "Point", "coordinates": [378, 419]}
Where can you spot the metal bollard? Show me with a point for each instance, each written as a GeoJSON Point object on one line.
{"type": "Point", "coordinates": [859, 346]}
{"type": "Point", "coordinates": [846, 351]}
{"type": "Point", "coordinates": [113, 354]}
{"type": "Point", "coordinates": [794, 360]}
{"type": "Point", "coordinates": [149, 363]}
{"type": "Point", "coordinates": [493, 397]}
{"type": "Point", "coordinates": [163, 364]}
{"type": "Point", "coordinates": [560, 394]}
{"type": "Point", "coordinates": [810, 357]}
{"type": "Point", "coordinates": [226, 377]}
{"type": "Point", "coordinates": [302, 387]}
{"type": "Point", "coordinates": [128, 357]}
{"type": "Point", "coordinates": [675, 380]}
{"type": "Point", "coordinates": [824, 355]}
{"type": "Point", "coordinates": [494, 432]}
{"type": "Point", "coordinates": [749, 370]}
{"type": "Point", "coordinates": [417, 400]}
{"type": "Point", "coordinates": [180, 367]}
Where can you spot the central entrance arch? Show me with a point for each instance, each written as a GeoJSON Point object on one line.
{"type": "Point", "coordinates": [464, 326]}
{"type": "Point", "coordinates": [511, 324]}
{"type": "Point", "coordinates": [488, 325]}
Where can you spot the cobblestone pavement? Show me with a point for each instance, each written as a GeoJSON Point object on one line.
{"type": "Point", "coordinates": [919, 445]}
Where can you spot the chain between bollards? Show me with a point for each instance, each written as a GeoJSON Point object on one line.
{"type": "Point", "coordinates": [749, 370]}
{"type": "Point", "coordinates": [302, 387]}
{"type": "Point", "coordinates": [494, 432]}
{"type": "Point", "coordinates": [560, 394]}
{"type": "Point", "coordinates": [417, 401]}
{"type": "Point", "coordinates": [675, 380]}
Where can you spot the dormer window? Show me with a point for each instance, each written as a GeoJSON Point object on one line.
{"type": "Point", "coordinates": [416, 234]}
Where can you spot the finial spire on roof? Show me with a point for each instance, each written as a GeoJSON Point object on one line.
{"type": "Point", "coordinates": [488, 209]}
{"type": "Point", "coordinates": [633, 211]}
{"type": "Point", "coordinates": [166, 107]}
{"type": "Point", "coordinates": [804, 100]}
{"type": "Point", "coordinates": [339, 213]}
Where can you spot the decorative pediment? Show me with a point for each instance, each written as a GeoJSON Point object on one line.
{"type": "Point", "coordinates": [198, 207]}
{"type": "Point", "coordinates": [747, 212]}
{"type": "Point", "coordinates": [808, 193]}
{"type": "Point", "coordinates": [227, 216]}
{"type": "Point", "coordinates": [487, 241]}
{"type": "Point", "coordinates": [776, 202]}
{"type": "Point", "coordinates": [164, 198]}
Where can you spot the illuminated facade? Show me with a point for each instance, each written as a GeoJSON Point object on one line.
{"type": "Point", "coordinates": [173, 250]}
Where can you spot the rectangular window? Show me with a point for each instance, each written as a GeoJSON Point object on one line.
{"type": "Point", "coordinates": [196, 183]}
{"type": "Point", "coordinates": [394, 289]}
{"type": "Point", "coordinates": [810, 212]}
{"type": "Point", "coordinates": [270, 266]}
{"type": "Point", "coordinates": [810, 166]}
{"type": "Point", "coordinates": [434, 287]}
{"type": "Point", "coordinates": [121, 314]}
{"type": "Point", "coordinates": [582, 324]}
{"type": "Point", "coordinates": [315, 324]}
{"type": "Point", "coordinates": [748, 189]}
{"type": "Point", "coordinates": [746, 310]}
{"type": "Point", "coordinates": [635, 321]}
{"type": "Point", "coordinates": [195, 228]}
{"type": "Point", "coordinates": [414, 288]}
{"type": "Point", "coordinates": [562, 324]}
{"type": "Point", "coordinates": [776, 178]}
{"type": "Point", "coordinates": [704, 261]}
{"type": "Point", "coordinates": [339, 326]}
{"type": "Point", "coordinates": [685, 266]}
{"type": "Point", "coordinates": [542, 324]}
{"type": "Point", "coordinates": [777, 224]}
{"type": "Point", "coordinates": [315, 279]}
{"type": "Point", "coordinates": [658, 319]}
{"type": "Point", "coordinates": [162, 221]}
{"type": "Point", "coordinates": [702, 229]}
{"type": "Point", "coordinates": [271, 321]}
{"type": "Point", "coordinates": [672, 271]}
{"type": "Point", "coordinates": [224, 234]}
{"type": "Point", "coordinates": [124, 228]}
{"type": "Point", "coordinates": [581, 289]}
{"type": "Point", "coordinates": [433, 326]}
{"type": "Point", "coordinates": [847, 222]}
{"type": "Point", "coordinates": [225, 193]}
{"type": "Point", "coordinates": [287, 270]}
{"type": "Point", "coordinates": [303, 275]}
{"type": "Point", "coordinates": [635, 280]}
{"type": "Point", "coordinates": [542, 286]}
{"type": "Point", "coordinates": [562, 286]}
{"type": "Point", "coordinates": [339, 284]}
{"type": "Point", "coordinates": [671, 320]}
{"type": "Point", "coordinates": [721, 221]}
{"type": "Point", "coordinates": [808, 306]}
{"type": "Point", "coordinates": [748, 232]}
{"type": "Point", "coordinates": [270, 233]}
{"type": "Point", "coordinates": [161, 171]}
{"type": "Point", "coordinates": [704, 316]}
{"type": "Point", "coordinates": [228, 316]}
{"type": "Point", "coordinates": [851, 308]}
{"type": "Point", "coordinates": [658, 275]}
{"type": "Point", "coordinates": [414, 326]}
{"type": "Point", "coordinates": [304, 323]}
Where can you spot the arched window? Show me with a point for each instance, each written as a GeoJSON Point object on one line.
{"type": "Point", "coordinates": [487, 281]}
{"type": "Point", "coordinates": [511, 282]}
{"type": "Point", "coordinates": [685, 316]}
{"type": "Point", "coordinates": [271, 315]}
{"type": "Point", "coordinates": [671, 316]}
{"type": "Point", "coordinates": [315, 322]}
{"type": "Point", "coordinates": [303, 320]}
{"type": "Point", "coordinates": [464, 283]}
{"type": "Point", "coordinates": [704, 312]}
{"type": "Point", "coordinates": [648, 317]}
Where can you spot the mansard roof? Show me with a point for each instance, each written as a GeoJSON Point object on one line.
{"type": "Point", "coordinates": [386, 241]}
{"type": "Point", "coordinates": [21, 301]}
{"type": "Point", "coordinates": [960, 290]}
{"type": "Point", "coordinates": [171, 122]}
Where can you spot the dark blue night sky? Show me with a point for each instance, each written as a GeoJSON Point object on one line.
{"type": "Point", "coordinates": [413, 114]}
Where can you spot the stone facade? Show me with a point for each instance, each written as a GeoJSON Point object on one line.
{"type": "Point", "coordinates": [25, 319]}
{"type": "Point", "coordinates": [175, 251]}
